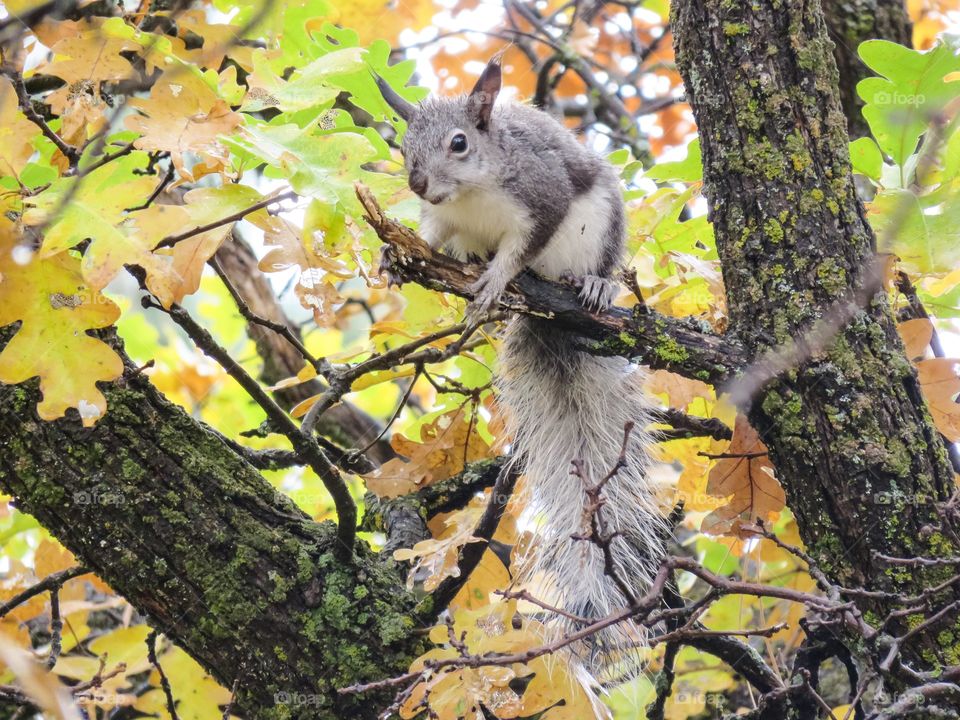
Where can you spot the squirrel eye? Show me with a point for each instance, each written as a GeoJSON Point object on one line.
{"type": "Point", "coordinates": [458, 144]}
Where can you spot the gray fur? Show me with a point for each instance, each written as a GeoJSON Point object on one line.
{"type": "Point", "coordinates": [531, 196]}
{"type": "Point", "coordinates": [564, 404]}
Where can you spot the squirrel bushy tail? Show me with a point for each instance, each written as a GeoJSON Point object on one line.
{"type": "Point", "coordinates": [564, 405]}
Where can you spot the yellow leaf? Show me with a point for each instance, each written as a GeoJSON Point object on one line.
{"type": "Point", "coordinates": [381, 376]}
{"type": "Point", "coordinates": [91, 56]}
{"type": "Point", "coordinates": [183, 114]}
{"type": "Point", "coordinates": [306, 374]}
{"type": "Point", "coordinates": [379, 19]}
{"type": "Point", "coordinates": [21, 7]}
{"type": "Point", "coordinates": [16, 132]}
{"type": "Point", "coordinates": [555, 688]}
{"type": "Point", "coordinates": [95, 207]}
{"type": "Point", "coordinates": [52, 557]}
{"type": "Point", "coordinates": [938, 286]}
{"type": "Point", "coordinates": [56, 308]}
{"type": "Point", "coordinates": [124, 645]}
{"type": "Point", "coordinates": [39, 685]}
{"type": "Point", "coordinates": [198, 695]}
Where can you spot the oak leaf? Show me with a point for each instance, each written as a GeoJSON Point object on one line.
{"type": "Point", "coordinates": [91, 56]}
{"type": "Point", "coordinates": [74, 209]}
{"type": "Point", "coordinates": [436, 558]}
{"type": "Point", "coordinates": [445, 445]}
{"type": "Point", "coordinates": [291, 247]}
{"type": "Point", "coordinates": [56, 308]}
{"type": "Point", "coordinates": [746, 480]}
{"type": "Point", "coordinates": [183, 114]}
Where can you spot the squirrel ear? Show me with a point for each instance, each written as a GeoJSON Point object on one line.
{"type": "Point", "coordinates": [484, 94]}
{"type": "Point", "coordinates": [403, 108]}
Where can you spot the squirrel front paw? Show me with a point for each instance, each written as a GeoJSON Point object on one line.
{"type": "Point", "coordinates": [596, 293]}
{"type": "Point", "coordinates": [388, 260]}
{"type": "Point", "coordinates": [486, 294]}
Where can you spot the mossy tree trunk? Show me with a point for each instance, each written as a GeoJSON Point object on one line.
{"type": "Point", "coordinates": [853, 443]}
{"type": "Point", "coordinates": [162, 509]}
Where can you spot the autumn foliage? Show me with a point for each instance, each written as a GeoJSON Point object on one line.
{"type": "Point", "coordinates": [138, 141]}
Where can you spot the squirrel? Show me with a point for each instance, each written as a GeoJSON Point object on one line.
{"type": "Point", "coordinates": [510, 183]}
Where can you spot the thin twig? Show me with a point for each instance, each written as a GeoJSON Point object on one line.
{"type": "Point", "coordinates": [233, 695]}
{"type": "Point", "coordinates": [26, 106]}
{"type": "Point", "coordinates": [304, 444]}
{"type": "Point", "coordinates": [56, 628]}
{"type": "Point", "coordinates": [172, 240]}
{"type": "Point", "coordinates": [280, 328]}
{"type": "Point", "coordinates": [50, 582]}
{"type": "Point", "coordinates": [164, 681]}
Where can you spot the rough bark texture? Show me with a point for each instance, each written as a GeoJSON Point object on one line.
{"type": "Point", "coordinates": [849, 23]}
{"type": "Point", "coordinates": [158, 506]}
{"type": "Point", "coordinates": [849, 434]}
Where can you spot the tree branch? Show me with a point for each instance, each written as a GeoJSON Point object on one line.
{"type": "Point", "coordinates": [681, 346]}
{"type": "Point", "coordinates": [219, 560]}
{"type": "Point", "coordinates": [71, 153]}
{"type": "Point", "coordinates": [303, 443]}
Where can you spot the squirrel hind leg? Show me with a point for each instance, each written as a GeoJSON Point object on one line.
{"type": "Point", "coordinates": [598, 293]}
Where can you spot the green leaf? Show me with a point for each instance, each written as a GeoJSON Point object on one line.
{"type": "Point", "coordinates": [900, 105]}
{"type": "Point", "coordinates": [690, 169]}
{"type": "Point", "coordinates": [308, 87]}
{"type": "Point", "coordinates": [361, 86]}
{"type": "Point", "coordinates": [716, 556]}
{"type": "Point", "coordinates": [298, 44]}
{"type": "Point", "coordinates": [317, 164]}
{"type": "Point", "coordinates": [866, 158]}
{"type": "Point", "coordinates": [656, 220]}
{"type": "Point", "coordinates": [926, 240]}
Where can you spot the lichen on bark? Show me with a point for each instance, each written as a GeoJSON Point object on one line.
{"type": "Point", "coordinates": [847, 428]}
{"type": "Point", "coordinates": [159, 507]}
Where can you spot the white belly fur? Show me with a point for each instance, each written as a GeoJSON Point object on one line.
{"type": "Point", "coordinates": [480, 220]}
{"type": "Point", "coordinates": [577, 245]}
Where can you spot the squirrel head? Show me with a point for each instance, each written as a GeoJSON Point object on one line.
{"type": "Point", "coordinates": [449, 143]}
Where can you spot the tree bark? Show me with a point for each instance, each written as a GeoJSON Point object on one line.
{"type": "Point", "coordinates": [158, 506]}
{"type": "Point", "coordinates": [853, 443]}
{"type": "Point", "coordinates": [849, 23]}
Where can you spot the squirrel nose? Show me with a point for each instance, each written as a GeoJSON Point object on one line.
{"type": "Point", "coordinates": [418, 182]}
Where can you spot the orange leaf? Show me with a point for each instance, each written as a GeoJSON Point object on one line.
{"type": "Point", "coordinates": [940, 385]}
{"type": "Point", "coordinates": [183, 114]}
{"type": "Point", "coordinates": [746, 479]}
{"type": "Point", "coordinates": [445, 444]}
{"type": "Point", "coordinates": [916, 335]}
